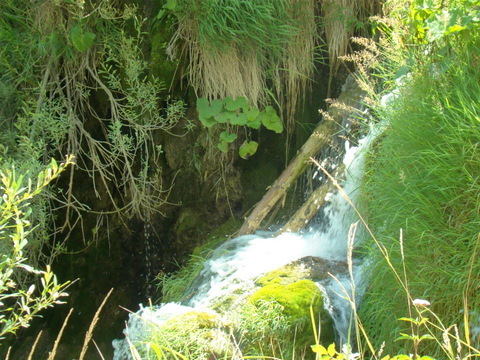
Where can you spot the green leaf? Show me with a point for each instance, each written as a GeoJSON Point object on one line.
{"type": "Point", "coordinates": [223, 146]}
{"type": "Point", "coordinates": [81, 38]}
{"type": "Point", "coordinates": [228, 137]}
{"type": "Point", "coordinates": [225, 117]}
{"type": "Point", "coordinates": [404, 337]}
{"type": "Point", "coordinates": [408, 320]}
{"type": "Point", "coordinates": [239, 120]}
{"type": "Point", "coordinates": [234, 105]}
{"type": "Point", "coordinates": [253, 119]}
{"type": "Point", "coordinates": [207, 111]}
{"type": "Point", "coordinates": [252, 113]}
{"type": "Point", "coordinates": [170, 4]}
{"type": "Point", "coordinates": [248, 149]}
{"type": "Point", "coordinates": [331, 349]}
{"type": "Point", "coordinates": [319, 349]}
{"type": "Point", "coordinates": [160, 14]}
{"type": "Point", "coordinates": [426, 337]}
{"type": "Point", "coordinates": [270, 120]}
{"type": "Point", "coordinates": [208, 122]}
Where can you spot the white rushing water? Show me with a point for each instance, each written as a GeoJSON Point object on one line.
{"type": "Point", "coordinates": [239, 261]}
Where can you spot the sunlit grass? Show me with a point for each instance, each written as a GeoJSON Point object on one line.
{"type": "Point", "coordinates": [424, 178]}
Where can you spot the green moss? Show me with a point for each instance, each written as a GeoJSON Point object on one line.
{"type": "Point", "coordinates": [295, 298]}
{"type": "Point", "coordinates": [283, 276]}
{"type": "Point", "coordinates": [161, 67]}
{"type": "Point", "coordinates": [195, 320]}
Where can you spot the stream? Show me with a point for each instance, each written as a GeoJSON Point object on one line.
{"type": "Point", "coordinates": [235, 264]}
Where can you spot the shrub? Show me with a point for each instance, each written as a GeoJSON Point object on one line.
{"type": "Point", "coordinates": [21, 299]}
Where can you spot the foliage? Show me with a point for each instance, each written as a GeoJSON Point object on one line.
{"type": "Point", "coordinates": [74, 79]}
{"type": "Point", "coordinates": [241, 332]}
{"type": "Point", "coordinates": [432, 21]}
{"type": "Point", "coordinates": [250, 49]}
{"type": "Point", "coordinates": [237, 112]}
{"type": "Point", "coordinates": [174, 286]}
{"type": "Point", "coordinates": [19, 301]}
{"type": "Point", "coordinates": [423, 178]}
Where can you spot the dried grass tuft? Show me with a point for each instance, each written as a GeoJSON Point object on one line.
{"type": "Point", "coordinates": [341, 17]}
{"type": "Point", "coordinates": [220, 66]}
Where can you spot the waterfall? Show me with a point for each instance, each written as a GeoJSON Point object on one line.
{"type": "Point", "coordinates": [239, 261]}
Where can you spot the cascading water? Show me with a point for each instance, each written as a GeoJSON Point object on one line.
{"type": "Point", "coordinates": [238, 262]}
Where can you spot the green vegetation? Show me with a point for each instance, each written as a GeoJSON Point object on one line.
{"type": "Point", "coordinates": [237, 112]}
{"type": "Point", "coordinates": [422, 193]}
{"type": "Point", "coordinates": [273, 321]}
{"type": "Point", "coordinates": [21, 297]}
{"type": "Point", "coordinates": [252, 49]}
{"type": "Point", "coordinates": [75, 78]}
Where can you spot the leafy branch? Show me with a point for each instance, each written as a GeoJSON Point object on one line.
{"type": "Point", "coordinates": [19, 304]}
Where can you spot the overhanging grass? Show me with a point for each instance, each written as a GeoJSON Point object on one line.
{"type": "Point", "coordinates": [424, 178]}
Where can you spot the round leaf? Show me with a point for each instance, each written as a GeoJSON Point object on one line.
{"type": "Point", "coordinates": [251, 113]}
{"type": "Point", "coordinates": [239, 120]}
{"type": "Point", "coordinates": [222, 146]}
{"type": "Point", "coordinates": [228, 137]}
{"type": "Point", "coordinates": [248, 149]}
{"type": "Point", "coordinates": [234, 105]}
{"type": "Point", "coordinates": [206, 110]}
{"type": "Point", "coordinates": [225, 116]}
{"type": "Point", "coordinates": [208, 122]}
{"type": "Point", "coordinates": [271, 120]}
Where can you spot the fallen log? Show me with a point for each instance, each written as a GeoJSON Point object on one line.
{"type": "Point", "coordinates": [310, 207]}
{"type": "Point", "coordinates": [321, 137]}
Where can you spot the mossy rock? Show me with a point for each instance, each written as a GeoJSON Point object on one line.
{"type": "Point", "coordinates": [200, 334]}
{"type": "Point", "coordinates": [285, 275]}
{"type": "Point", "coordinates": [195, 320]}
{"type": "Point", "coordinates": [297, 299]}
